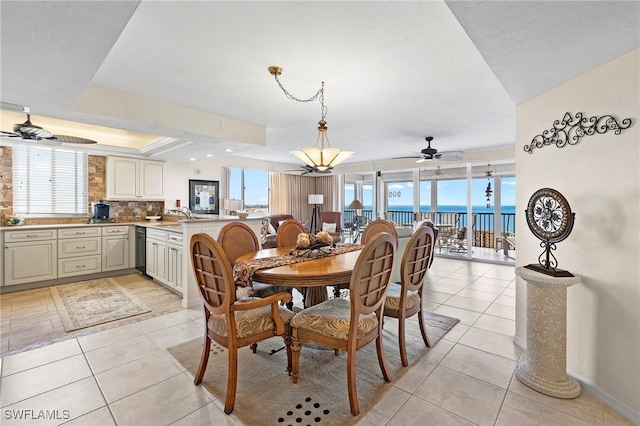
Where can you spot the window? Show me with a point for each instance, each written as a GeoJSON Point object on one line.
{"type": "Point", "coordinates": [49, 181]}
{"type": "Point", "coordinates": [252, 187]}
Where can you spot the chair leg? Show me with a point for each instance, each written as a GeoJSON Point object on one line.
{"type": "Point", "coordinates": [295, 359]}
{"type": "Point", "coordinates": [254, 347]}
{"type": "Point", "coordinates": [423, 329]}
{"type": "Point", "coordinates": [351, 380]}
{"type": "Point", "coordinates": [287, 343]}
{"type": "Point", "coordinates": [204, 359]}
{"type": "Point", "coordinates": [401, 341]}
{"type": "Point", "coordinates": [381, 359]}
{"type": "Point", "coordinates": [232, 380]}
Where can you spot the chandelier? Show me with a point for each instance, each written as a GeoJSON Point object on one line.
{"type": "Point", "coordinates": [322, 156]}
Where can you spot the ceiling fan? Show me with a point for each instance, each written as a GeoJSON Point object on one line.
{"type": "Point", "coordinates": [429, 153]}
{"type": "Point", "coordinates": [306, 169]}
{"type": "Point", "coordinates": [29, 131]}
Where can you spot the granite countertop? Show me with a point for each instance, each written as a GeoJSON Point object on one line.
{"type": "Point", "coordinates": [147, 224]}
{"type": "Point", "coordinates": [174, 225]}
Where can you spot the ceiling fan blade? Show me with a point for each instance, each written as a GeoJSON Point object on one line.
{"type": "Point", "coordinates": [449, 155]}
{"type": "Point", "coordinates": [36, 131]}
{"type": "Point", "coordinates": [73, 139]}
{"type": "Point", "coordinates": [412, 156]}
{"type": "Point", "coordinates": [10, 134]}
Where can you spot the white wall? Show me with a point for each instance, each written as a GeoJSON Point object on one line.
{"type": "Point", "coordinates": [177, 175]}
{"type": "Point", "coordinates": [600, 179]}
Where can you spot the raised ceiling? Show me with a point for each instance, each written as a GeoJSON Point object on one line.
{"type": "Point", "coordinates": [191, 76]}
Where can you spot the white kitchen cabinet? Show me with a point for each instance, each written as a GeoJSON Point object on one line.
{"type": "Point", "coordinates": [174, 261]}
{"type": "Point", "coordinates": [79, 251]}
{"type": "Point", "coordinates": [115, 248]}
{"type": "Point", "coordinates": [157, 255]}
{"type": "Point", "coordinates": [134, 179]}
{"type": "Point", "coordinates": [30, 256]}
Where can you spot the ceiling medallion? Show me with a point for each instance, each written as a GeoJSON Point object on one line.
{"type": "Point", "coordinates": [322, 157]}
{"type": "Point", "coordinates": [570, 130]}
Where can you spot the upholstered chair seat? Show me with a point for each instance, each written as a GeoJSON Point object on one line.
{"type": "Point", "coordinates": [331, 319]}
{"type": "Point", "coordinates": [392, 302]}
{"type": "Point", "coordinates": [249, 323]}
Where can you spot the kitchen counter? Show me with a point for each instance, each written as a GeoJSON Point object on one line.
{"type": "Point", "coordinates": [167, 225]}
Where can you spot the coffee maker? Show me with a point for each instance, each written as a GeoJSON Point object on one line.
{"type": "Point", "coordinates": [100, 212]}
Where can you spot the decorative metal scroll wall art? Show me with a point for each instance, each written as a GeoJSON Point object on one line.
{"type": "Point", "coordinates": [550, 219]}
{"type": "Point", "coordinates": [570, 130]}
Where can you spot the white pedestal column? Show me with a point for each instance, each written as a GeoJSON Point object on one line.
{"type": "Point", "coordinates": [545, 368]}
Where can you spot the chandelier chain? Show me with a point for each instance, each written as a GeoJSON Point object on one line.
{"type": "Point", "coordinates": [318, 96]}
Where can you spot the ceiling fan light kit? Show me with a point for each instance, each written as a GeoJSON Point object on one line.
{"type": "Point", "coordinates": [322, 157]}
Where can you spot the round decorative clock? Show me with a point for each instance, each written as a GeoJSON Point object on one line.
{"type": "Point", "coordinates": [550, 219]}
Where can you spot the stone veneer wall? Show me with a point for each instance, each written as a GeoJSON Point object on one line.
{"type": "Point", "coordinates": [6, 183]}
{"type": "Point", "coordinates": [121, 211]}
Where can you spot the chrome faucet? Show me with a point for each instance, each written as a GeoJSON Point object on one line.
{"type": "Point", "coordinates": [183, 210]}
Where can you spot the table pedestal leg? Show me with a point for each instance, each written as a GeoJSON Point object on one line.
{"type": "Point", "coordinates": [314, 295]}
{"type": "Point", "coordinates": [545, 367]}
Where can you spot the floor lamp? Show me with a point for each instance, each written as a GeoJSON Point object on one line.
{"type": "Point", "coordinates": [355, 206]}
{"type": "Point", "coordinates": [315, 199]}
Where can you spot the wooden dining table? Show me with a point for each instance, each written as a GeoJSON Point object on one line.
{"type": "Point", "coordinates": [314, 275]}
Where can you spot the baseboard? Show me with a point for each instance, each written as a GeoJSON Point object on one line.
{"type": "Point", "coordinates": [619, 407]}
{"type": "Point", "coordinates": [520, 342]}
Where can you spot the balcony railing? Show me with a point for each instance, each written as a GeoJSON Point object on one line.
{"type": "Point", "coordinates": [483, 234]}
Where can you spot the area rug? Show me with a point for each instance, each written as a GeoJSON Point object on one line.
{"type": "Point", "coordinates": [267, 396]}
{"type": "Point", "coordinates": [94, 302]}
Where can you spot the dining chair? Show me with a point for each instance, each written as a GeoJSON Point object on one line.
{"type": "Point", "coordinates": [377, 226]}
{"type": "Point", "coordinates": [288, 231]}
{"type": "Point", "coordinates": [229, 322]}
{"type": "Point", "coordinates": [349, 325]}
{"type": "Point", "coordinates": [404, 299]}
{"type": "Point", "coordinates": [436, 231]}
{"type": "Point", "coordinates": [236, 239]}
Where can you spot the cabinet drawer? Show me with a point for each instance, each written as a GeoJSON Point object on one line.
{"type": "Point", "coordinates": [79, 247]}
{"type": "Point", "coordinates": [174, 238]}
{"type": "Point", "coordinates": [115, 230]}
{"type": "Point", "coordinates": [35, 235]}
{"type": "Point", "coordinates": [156, 234]}
{"type": "Point", "coordinates": [78, 266]}
{"type": "Point", "coordinates": [92, 231]}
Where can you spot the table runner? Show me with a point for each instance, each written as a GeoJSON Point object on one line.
{"type": "Point", "coordinates": [243, 270]}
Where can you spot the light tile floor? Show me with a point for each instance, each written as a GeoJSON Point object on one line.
{"type": "Point", "coordinates": [122, 374]}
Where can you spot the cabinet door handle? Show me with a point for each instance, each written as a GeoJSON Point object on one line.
{"type": "Point", "coordinates": [81, 266]}
{"type": "Point", "coordinates": [79, 248]}
{"type": "Point", "coordinates": [80, 233]}
{"type": "Point", "coordinates": [32, 235]}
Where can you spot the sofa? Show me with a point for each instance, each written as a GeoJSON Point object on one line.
{"type": "Point", "coordinates": [270, 225]}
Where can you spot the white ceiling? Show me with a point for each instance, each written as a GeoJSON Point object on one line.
{"type": "Point", "coordinates": [195, 72]}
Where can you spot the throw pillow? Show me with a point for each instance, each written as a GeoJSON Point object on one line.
{"type": "Point", "coordinates": [328, 227]}
{"type": "Point", "coordinates": [271, 229]}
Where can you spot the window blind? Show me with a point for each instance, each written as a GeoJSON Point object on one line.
{"type": "Point", "coordinates": [49, 181]}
